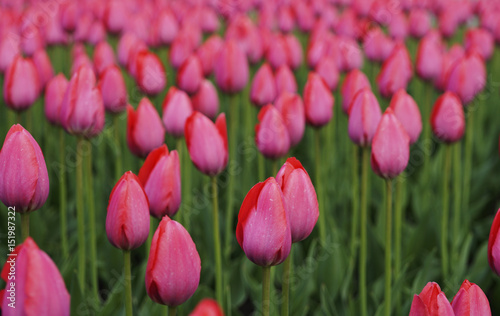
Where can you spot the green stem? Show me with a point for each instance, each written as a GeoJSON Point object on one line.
{"type": "Point", "coordinates": [218, 261]}
{"type": "Point", "coordinates": [355, 204]}
{"type": "Point", "coordinates": [287, 274]}
{"type": "Point", "coordinates": [25, 226]}
{"type": "Point", "coordinates": [128, 282]}
{"type": "Point", "coordinates": [275, 167]}
{"type": "Point", "coordinates": [266, 290]}
{"type": "Point", "coordinates": [18, 118]}
{"type": "Point", "coordinates": [457, 182]}
{"type": "Point", "coordinates": [62, 194]}
{"type": "Point", "coordinates": [444, 220]}
{"type": "Point", "coordinates": [80, 215]}
{"type": "Point", "coordinates": [233, 125]}
{"type": "Point", "coordinates": [319, 188]}
{"type": "Point", "coordinates": [172, 310]}
{"type": "Point", "coordinates": [469, 137]}
{"type": "Point", "coordinates": [398, 220]}
{"type": "Point", "coordinates": [388, 248]}
{"type": "Point", "coordinates": [363, 228]}
{"type": "Point", "coordinates": [262, 167]}
{"type": "Point", "coordinates": [91, 208]}
{"type": "Point", "coordinates": [118, 150]}
{"type": "Point", "coordinates": [427, 135]}
{"type": "Point", "coordinates": [152, 229]}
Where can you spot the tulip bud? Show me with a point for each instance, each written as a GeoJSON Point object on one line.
{"type": "Point", "coordinates": [377, 45]}
{"type": "Point", "coordinates": [293, 51]}
{"type": "Point", "coordinates": [21, 84]}
{"type": "Point", "coordinates": [318, 101]}
{"type": "Point", "coordinates": [25, 181]}
{"type": "Point", "coordinates": [467, 77]}
{"type": "Point", "coordinates": [300, 198]}
{"type": "Point", "coordinates": [207, 53]}
{"type": "Point", "coordinates": [407, 112]}
{"type": "Point", "coordinates": [364, 117]}
{"type": "Point", "coordinates": [9, 50]}
{"type": "Point", "coordinates": [180, 50]}
{"type": "Point", "coordinates": [115, 16]}
{"type": "Point", "coordinates": [291, 108]}
{"type": "Point", "coordinates": [54, 94]}
{"type": "Point", "coordinates": [390, 147]}
{"type": "Point", "coordinates": [43, 67]}
{"type": "Point", "coordinates": [263, 90]}
{"type": "Point", "coordinates": [470, 300]}
{"type": "Point", "coordinates": [177, 108]}
{"type": "Point", "coordinates": [103, 57]}
{"type": "Point", "coordinates": [349, 53]}
{"type": "Point", "coordinates": [206, 100]}
{"type": "Point", "coordinates": [173, 270]}
{"type": "Point", "coordinates": [398, 26]}
{"type": "Point", "coordinates": [354, 81]}
{"type": "Point", "coordinates": [151, 77]}
{"type": "Point", "coordinates": [190, 75]}
{"type": "Point", "coordinates": [455, 53]}
{"type": "Point", "coordinates": [271, 134]}
{"type": "Point", "coordinates": [127, 220]}
{"type": "Point", "coordinates": [285, 80]}
{"type": "Point", "coordinates": [447, 118]}
{"type": "Point", "coordinates": [207, 143]}
{"type": "Point", "coordinates": [40, 288]}
{"type": "Point", "coordinates": [263, 230]}
{"type": "Point", "coordinates": [126, 44]}
{"type": "Point", "coordinates": [231, 68]}
{"type": "Point", "coordinates": [161, 177]}
{"type": "Point", "coordinates": [145, 130]}
{"type": "Point", "coordinates": [480, 41]}
{"type": "Point", "coordinates": [327, 70]}
{"type": "Point", "coordinates": [113, 89]}
{"type": "Point", "coordinates": [431, 301]}
{"type": "Point", "coordinates": [419, 22]}
{"type": "Point", "coordinates": [167, 27]}
{"type": "Point", "coordinates": [429, 60]}
{"type": "Point", "coordinates": [493, 245]}
{"type": "Point", "coordinates": [396, 72]}
{"type": "Point", "coordinates": [207, 307]}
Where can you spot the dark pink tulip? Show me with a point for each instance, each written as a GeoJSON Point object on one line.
{"type": "Point", "coordinates": [348, 25]}
{"type": "Point", "coordinates": [327, 70]}
{"type": "Point", "coordinates": [39, 286]}
{"type": "Point", "coordinates": [304, 15]}
{"type": "Point", "coordinates": [207, 53]}
{"type": "Point", "coordinates": [467, 77]}
{"type": "Point", "coordinates": [377, 45]}
{"type": "Point", "coordinates": [70, 12]}
{"type": "Point", "coordinates": [81, 60]}
{"type": "Point", "coordinates": [480, 41]}
{"type": "Point", "coordinates": [263, 229]}
{"type": "Point", "coordinates": [317, 48]}
{"type": "Point", "coordinates": [455, 53]}
{"type": "Point", "coordinates": [470, 300]}
{"type": "Point", "coordinates": [207, 143]}
{"type": "Point", "coordinates": [180, 50]}
{"type": "Point", "coordinates": [420, 22]}
{"type": "Point", "coordinates": [160, 176]}
{"type": "Point", "coordinates": [231, 68]}
{"type": "Point", "coordinates": [364, 117]}
{"type": "Point", "coordinates": [127, 220]}
{"type": "Point", "coordinates": [263, 90]}
{"type": "Point", "coordinates": [362, 7]}
{"type": "Point", "coordinates": [318, 101]}
{"type": "Point", "coordinates": [9, 49]}
{"type": "Point", "coordinates": [167, 27]}
{"type": "Point", "coordinates": [113, 89]}
{"type": "Point", "coordinates": [43, 67]}
{"type": "Point", "coordinates": [276, 53]}
{"type": "Point", "coordinates": [407, 112]}
{"type": "Point", "coordinates": [206, 100]}
{"type": "Point", "coordinates": [191, 31]}
{"type": "Point", "coordinates": [300, 198]}
{"type": "Point", "coordinates": [25, 181]}
{"type": "Point", "coordinates": [190, 75]}
{"type": "Point", "coordinates": [31, 37]}
{"type": "Point", "coordinates": [390, 147]}
{"type": "Point", "coordinates": [291, 108]}
{"type": "Point", "coordinates": [293, 51]}
{"type": "Point", "coordinates": [103, 57]}
{"type": "Point", "coordinates": [127, 43]}
{"type": "Point", "coordinates": [207, 307]}
{"type": "Point", "coordinates": [271, 133]}
{"type": "Point", "coordinates": [97, 33]}
{"type": "Point", "coordinates": [448, 22]}
{"type": "Point", "coordinates": [54, 95]}
{"type": "Point", "coordinates": [494, 245]}
{"type": "Point", "coordinates": [286, 21]}
{"type": "Point", "coordinates": [174, 266]}
{"type": "Point", "coordinates": [21, 85]}
{"type": "Point", "coordinates": [429, 60]}
{"type": "Point", "coordinates": [447, 118]}
{"type": "Point", "coordinates": [398, 27]}
{"type": "Point", "coordinates": [82, 110]}
{"type": "Point", "coordinates": [285, 80]}
{"type": "Point", "coordinates": [349, 54]}
{"type": "Point", "coordinates": [83, 27]}
{"type": "Point", "coordinates": [53, 31]}
{"type": "Point", "coordinates": [354, 81]}
{"type": "Point", "coordinates": [115, 16]}
{"type": "Point", "coordinates": [243, 31]}
{"type": "Point", "coordinates": [176, 108]}
{"type": "Point", "coordinates": [431, 302]}
{"type": "Point", "coordinates": [151, 77]}
{"type": "Point", "coordinates": [396, 71]}
{"type": "Point", "coordinates": [209, 21]}
{"type": "Point", "coordinates": [145, 130]}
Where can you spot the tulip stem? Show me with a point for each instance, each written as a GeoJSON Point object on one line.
{"type": "Point", "coordinates": [234, 108]}
{"type": "Point", "coordinates": [319, 188]}
{"type": "Point", "coordinates": [172, 310]}
{"type": "Point", "coordinates": [152, 230]}
{"type": "Point", "coordinates": [444, 220]}
{"type": "Point", "coordinates": [266, 290]}
{"type": "Point", "coordinates": [80, 215]}
{"type": "Point", "coordinates": [62, 193]}
{"type": "Point", "coordinates": [128, 282]}
{"type": "Point", "coordinates": [275, 167]}
{"type": "Point", "coordinates": [426, 143]}
{"type": "Point", "coordinates": [118, 150]}
{"type": "Point", "coordinates": [287, 274]}
{"type": "Point", "coordinates": [469, 137]}
{"type": "Point", "coordinates": [262, 172]}
{"type": "Point", "coordinates": [25, 226]}
{"type": "Point", "coordinates": [388, 247]}
{"type": "Point", "coordinates": [363, 228]}
{"type": "Point", "coordinates": [218, 263]}
{"type": "Point", "coordinates": [457, 197]}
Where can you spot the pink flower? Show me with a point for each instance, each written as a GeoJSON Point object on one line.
{"type": "Point", "coordinates": [407, 112]}
{"type": "Point", "coordinates": [54, 94]}
{"type": "Point", "coordinates": [364, 117]}
{"type": "Point", "coordinates": [271, 133]}
{"type": "Point", "coordinates": [151, 77]}
{"type": "Point", "coordinates": [318, 101]}
{"type": "Point", "coordinates": [21, 85]}
{"type": "Point", "coordinates": [263, 90]}
{"type": "Point", "coordinates": [431, 301]}
{"type": "Point", "coordinates": [231, 68]}
{"type": "Point", "coordinates": [177, 108]}
{"type": "Point", "coordinates": [291, 108]}
{"type": "Point", "coordinates": [470, 300]}
{"type": "Point", "coordinates": [145, 130]}
{"type": "Point", "coordinates": [206, 100]}
{"type": "Point", "coordinates": [113, 89]}
{"type": "Point", "coordinates": [190, 75]}
{"type": "Point", "coordinates": [354, 81]}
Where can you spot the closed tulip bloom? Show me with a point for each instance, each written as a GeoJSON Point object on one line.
{"type": "Point", "coordinates": [160, 176]}
{"type": "Point", "coordinates": [173, 270]}
{"type": "Point", "coordinates": [207, 53]}
{"type": "Point", "coordinates": [167, 27]}
{"type": "Point", "coordinates": [467, 77]}
{"type": "Point", "coordinates": [103, 57]}
{"type": "Point", "coordinates": [377, 45]}
{"type": "Point", "coordinates": [455, 53]}
{"type": "Point", "coordinates": [231, 68]}
{"type": "Point", "coordinates": [396, 72]}
{"type": "Point", "coordinates": [327, 69]}
{"type": "Point", "coordinates": [54, 94]}
{"type": "Point", "coordinates": [207, 307]}
{"type": "Point", "coordinates": [354, 81]}
{"type": "Point", "coordinates": [494, 245]}
{"type": "Point", "coordinates": [39, 286]}
{"type": "Point", "coordinates": [180, 50]}
{"type": "Point", "coordinates": [145, 130]}
{"type": "Point", "coordinates": [390, 147]}
{"type": "Point", "coordinates": [349, 53]}
{"type": "Point", "coordinates": [429, 60]}
{"type": "Point", "coordinates": [364, 117]}
{"type": "Point", "coordinates": [127, 220]}
{"type": "Point", "coordinates": [431, 301]}
{"type": "Point", "coordinates": [447, 118]}
{"type": "Point", "coordinates": [206, 100]}
{"type": "Point", "coordinates": [151, 77]}
{"type": "Point", "coordinates": [285, 80]}
{"type": "Point", "coordinates": [407, 112]}
{"type": "Point", "coordinates": [263, 90]}
{"type": "Point", "coordinates": [318, 101]}
{"type": "Point", "coordinates": [420, 22]}
{"type": "Point", "coordinates": [293, 51]}
{"type": "Point", "coordinates": [21, 85]}
{"type": "Point", "coordinates": [470, 300]}
{"type": "Point", "coordinates": [285, 18]}
{"type": "Point", "coordinates": [126, 44]}
{"type": "Point", "coordinates": [480, 41]}
{"type": "Point", "coordinates": [276, 53]}
{"type": "Point", "coordinates": [207, 143]}
{"type": "Point", "coordinates": [82, 110]}
{"type": "Point", "coordinates": [190, 75]}
{"type": "Point", "coordinates": [177, 108]}
{"type": "Point", "coordinates": [398, 26]}
{"type": "Point", "coordinates": [300, 198]}
{"type": "Point", "coordinates": [115, 16]}
{"type": "Point", "coordinates": [448, 22]}
{"type": "Point", "coordinates": [271, 133]}
{"type": "Point", "coordinates": [113, 89]}
{"type": "Point", "coordinates": [25, 181]}
{"type": "Point", "coordinates": [43, 67]}
{"type": "Point", "coordinates": [291, 108]}
{"type": "Point", "coordinates": [9, 49]}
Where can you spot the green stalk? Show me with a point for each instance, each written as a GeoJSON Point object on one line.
{"type": "Point", "coordinates": [398, 219]}
{"type": "Point", "coordinates": [25, 226]}
{"type": "Point", "coordinates": [456, 197]}
{"type": "Point", "coordinates": [62, 194]}
{"type": "Point", "coordinates": [469, 137]}
{"type": "Point", "coordinates": [172, 310]}
{"type": "Point", "coordinates": [80, 215]}
{"type": "Point", "coordinates": [128, 282]}
{"type": "Point", "coordinates": [319, 188]}
{"type": "Point", "coordinates": [266, 290]}
{"type": "Point", "coordinates": [444, 220]}
{"type": "Point", "coordinates": [262, 167]}
{"type": "Point", "coordinates": [355, 204]}
{"type": "Point", "coordinates": [218, 261]}
{"type": "Point", "coordinates": [287, 274]}
{"type": "Point", "coordinates": [118, 150]}
{"type": "Point", "coordinates": [275, 167]}
{"type": "Point", "coordinates": [152, 230]}
{"type": "Point", "coordinates": [91, 208]}
{"type": "Point", "coordinates": [234, 108]}
{"type": "Point", "coordinates": [188, 167]}
{"type": "Point", "coordinates": [427, 137]}
{"type": "Point", "coordinates": [388, 248]}
{"type": "Point", "coordinates": [363, 228]}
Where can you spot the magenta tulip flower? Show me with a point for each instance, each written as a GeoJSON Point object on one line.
{"type": "Point", "coordinates": [271, 133]}
{"type": "Point", "coordinates": [54, 94]}
{"type": "Point", "coordinates": [177, 108]}
{"type": "Point", "coordinates": [354, 81]}
{"type": "Point", "coordinates": [103, 57]}
{"type": "Point", "coordinates": [455, 53]}
{"type": "Point", "coordinates": [364, 117]}
{"type": "Point", "coordinates": [480, 41]}
{"type": "Point", "coordinates": [167, 26]}
{"type": "Point", "coordinates": [263, 90]}
{"type": "Point", "coordinates": [285, 80]}
{"type": "Point", "coordinates": [145, 130]}
{"type": "Point", "coordinates": [151, 77]}
{"type": "Point", "coordinates": [206, 100]}
{"type": "Point", "coordinates": [447, 118]}
{"type": "Point", "coordinates": [231, 68]}
{"type": "Point", "coordinates": [407, 112]}
{"type": "Point", "coordinates": [8, 52]}
{"type": "Point", "coordinates": [207, 307]}
{"type": "Point", "coordinates": [419, 22]}
{"type": "Point", "coordinates": [113, 89]}
{"type": "Point", "coordinates": [43, 67]}
{"type": "Point", "coordinates": [190, 75]}
{"type": "Point", "coordinates": [327, 69]}
{"type": "Point", "coordinates": [292, 110]}
{"type": "Point", "coordinates": [318, 101]}
{"type": "Point", "coordinates": [377, 45]}
{"type": "Point", "coordinates": [207, 53]}
{"type": "Point", "coordinates": [21, 85]}
{"type": "Point", "coordinates": [396, 71]}
{"type": "Point", "coordinates": [430, 55]}
{"type": "Point", "coordinates": [494, 245]}
{"type": "Point", "coordinates": [467, 77]}
{"type": "Point", "coordinates": [431, 301]}
{"type": "Point", "coordinates": [470, 300]}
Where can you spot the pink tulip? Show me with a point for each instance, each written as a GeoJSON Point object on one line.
{"type": "Point", "coordinates": [206, 100]}
{"type": "Point", "coordinates": [348, 24]}
{"type": "Point", "coordinates": [429, 60]}
{"type": "Point", "coordinates": [177, 108]}
{"type": "Point", "coordinates": [277, 51]}
{"type": "Point", "coordinates": [263, 230]}
{"type": "Point", "coordinates": [455, 53]}
{"type": "Point", "coordinates": [327, 69]}
{"type": "Point", "coordinates": [447, 118]}
{"type": "Point", "coordinates": [127, 43]}
{"type": "Point", "coordinates": [291, 108]}
{"type": "Point", "coordinates": [293, 51]}
{"type": "Point", "coordinates": [174, 266]}
{"type": "Point", "coordinates": [304, 15]}
{"type": "Point", "coordinates": [127, 220]}
{"type": "Point", "coordinates": [103, 57]}
{"type": "Point", "coordinates": [494, 245]}
{"type": "Point", "coordinates": [377, 45]}
{"type": "Point", "coordinates": [398, 26]}
{"type": "Point", "coordinates": [243, 31]}
{"type": "Point", "coordinates": [81, 60]}
{"type": "Point", "coordinates": [470, 300]}
{"type": "Point", "coordinates": [167, 27]}
{"type": "Point", "coordinates": [9, 49]}
{"type": "Point", "coordinates": [207, 143]}
{"type": "Point", "coordinates": [25, 181]}
{"type": "Point", "coordinates": [113, 89]}
{"type": "Point", "coordinates": [231, 68]}
{"type": "Point", "coordinates": [448, 22]}
{"type": "Point", "coordinates": [96, 34]}
{"type": "Point", "coordinates": [431, 301]}
{"type": "Point", "coordinates": [115, 16]}
{"type": "Point", "coordinates": [43, 67]}
{"type": "Point", "coordinates": [300, 198]}
{"type": "Point", "coordinates": [190, 75]}
{"type": "Point", "coordinates": [145, 130]}
{"type": "Point", "coordinates": [285, 80]}
{"type": "Point", "coordinates": [396, 71]}
{"type": "Point", "coordinates": [480, 41]}
{"type": "Point", "coordinates": [286, 21]}
{"type": "Point", "coordinates": [407, 112]}
{"type": "Point", "coordinates": [263, 90]}
{"type": "Point", "coordinates": [467, 77]}
{"type": "Point", "coordinates": [318, 101]}
{"type": "Point", "coordinates": [207, 53]}
{"type": "Point", "coordinates": [354, 81]}
{"type": "Point", "coordinates": [349, 53]}
{"type": "Point", "coordinates": [364, 117]}
{"type": "Point", "coordinates": [207, 307]}
{"type": "Point", "coordinates": [271, 133]}
{"type": "Point", "coordinates": [54, 95]}
{"type": "Point", "coordinates": [21, 85]}
{"type": "Point", "coordinates": [390, 147]}
{"type": "Point", "coordinates": [151, 77]}
{"type": "Point", "coordinates": [419, 22]}
{"type": "Point", "coordinates": [180, 50]}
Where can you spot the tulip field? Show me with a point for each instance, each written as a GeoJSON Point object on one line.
{"type": "Point", "coordinates": [250, 157]}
